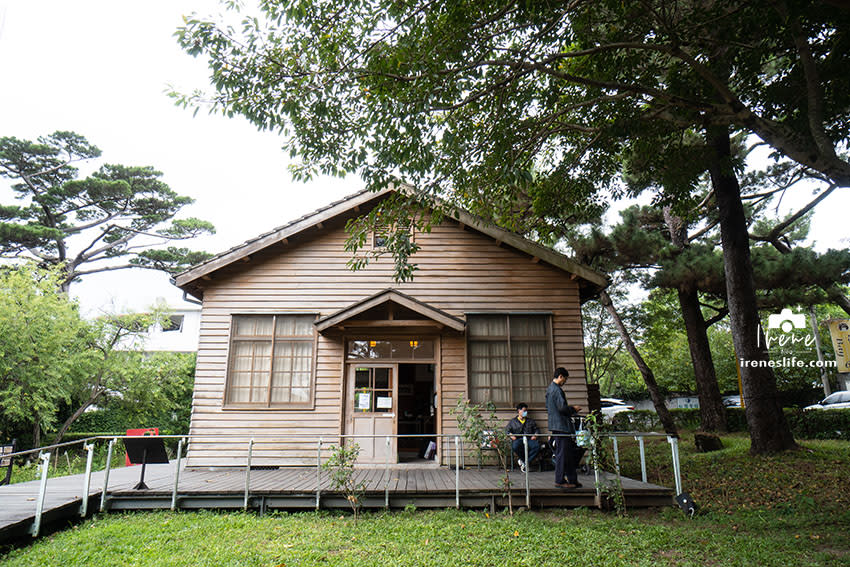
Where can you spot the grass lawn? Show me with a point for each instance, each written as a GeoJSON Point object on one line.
{"type": "Point", "coordinates": [790, 509]}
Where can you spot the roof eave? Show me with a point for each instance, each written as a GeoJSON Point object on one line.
{"type": "Point", "coordinates": [362, 198]}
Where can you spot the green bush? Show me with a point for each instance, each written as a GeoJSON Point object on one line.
{"type": "Point", "coordinates": [826, 424]}
{"type": "Point", "coordinates": [647, 420]}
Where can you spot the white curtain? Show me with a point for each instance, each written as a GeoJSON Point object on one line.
{"type": "Point", "coordinates": [256, 371]}
{"type": "Point", "coordinates": [489, 376]}
{"type": "Point", "coordinates": [252, 326]}
{"type": "Point", "coordinates": [294, 326]}
{"type": "Point", "coordinates": [292, 370]}
{"type": "Point", "coordinates": [495, 378]}
{"type": "Point", "coordinates": [488, 326]}
{"type": "Point", "coordinates": [529, 326]}
{"type": "Point", "coordinates": [530, 370]}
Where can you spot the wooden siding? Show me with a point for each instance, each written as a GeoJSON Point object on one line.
{"type": "Point", "coordinates": [459, 270]}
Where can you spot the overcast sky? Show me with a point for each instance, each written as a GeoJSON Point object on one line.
{"type": "Point", "coordinates": [101, 69]}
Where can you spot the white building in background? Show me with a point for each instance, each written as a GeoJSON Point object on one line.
{"type": "Point", "coordinates": [180, 336]}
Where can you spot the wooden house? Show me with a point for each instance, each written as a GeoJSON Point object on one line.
{"type": "Point", "coordinates": [294, 344]}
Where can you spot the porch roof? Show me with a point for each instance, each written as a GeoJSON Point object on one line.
{"type": "Point", "coordinates": [432, 315]}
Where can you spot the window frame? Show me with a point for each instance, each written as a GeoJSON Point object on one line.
{"type": "Point", "coordinates": [386, 337]}
{"type": "Point", "coordinates": [268, 405]}
{"type": "Point", "coordinates": [175, 328]}
{"type": "Point", "coordinates": [550, 355]}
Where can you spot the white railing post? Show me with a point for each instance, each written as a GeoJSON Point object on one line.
{"type": "Point", "coordinates": [616, 454]}
{"type": "Point", "coordinates": [42, 489]}
{"type": "Point", "coordinates": [248, 473]}
{"type": "Point", "coordinates": [387, 475]}
{"type": "Point", "coordinates": [457, 472]}
{"type": "Point", "coordinates": [677, 473]}
{"type": "Point", "coordinates": [318, 473]}
{"type": "Point", "coordinates": [642, 457]}
{"type": "Point", "coordinates": [596, 471]}
{"type": "Point", "coordinates": [84, 506]}
{"type": "Point", "coordinates": [106, 474]}
{"type": "Point", "coordinates": [177, 474]}
{"type": "Point", "coordinates": [527, 465]}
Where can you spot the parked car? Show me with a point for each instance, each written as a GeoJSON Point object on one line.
{"type": "Point", "coordinates": [613, 406]}
{"type": "Point", "coordinates": [732, 401]}
{"type": "Point", "coordinates": [836, 400]}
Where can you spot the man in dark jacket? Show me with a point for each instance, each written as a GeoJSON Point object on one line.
{"type": "Point", "coordinates": [560, 423]}
{"type": "Point", "coordinates": [519, 426]}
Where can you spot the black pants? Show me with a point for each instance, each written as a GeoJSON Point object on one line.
{"type": "Point", "coordinates": [565, 465]}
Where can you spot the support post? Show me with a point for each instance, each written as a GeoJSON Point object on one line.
{"type": "Point", "coordinates": [457, 472]}
{"type": "Point", "coordinates": [318, 473]}
{"type": "Point", "coordinates": [674, 449]}
{"type": "Point", "coordinates": [387, 475]}
{"type": "Point", "coordinates": [106, 474]}
{"type": "Point", "coordinates": [84, 506]}
{"type": "Point", "coordinates": [616, 454]}
{"type": "Point", "coordinates": [248, 473]}
{"type": "Point", "coordinates": [177, 474]}
{"type": "Point", "coordinates": [642, 458]}
{"type": "Point", "coordinates": [596, 472]}
{"type": "Point", "coordinates": [527, 464]}
{"type": "Point", "coordinates": [42, 489]}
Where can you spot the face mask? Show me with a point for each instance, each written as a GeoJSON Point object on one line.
{"type": "Point", "coordinates": [524, 413]}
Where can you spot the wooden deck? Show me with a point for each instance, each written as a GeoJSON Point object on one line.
{"type": "Point", "coordinates": [295, 488]}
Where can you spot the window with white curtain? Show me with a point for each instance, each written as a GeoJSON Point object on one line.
{"type": "Point", "coordinates": [271, 361]}
{"type": "Point", "coordinates": [510, 358]}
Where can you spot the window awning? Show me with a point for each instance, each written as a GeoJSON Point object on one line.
{"type": "Point", "coordinates": [390, 310]}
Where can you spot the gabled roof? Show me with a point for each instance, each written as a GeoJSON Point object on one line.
{"type": "Point", "coordinates": [391, 296]}
{"type": "Point", "coordinates": [189, 279]}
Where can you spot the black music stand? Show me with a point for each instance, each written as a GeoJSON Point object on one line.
{"type": "Point", "coordinates": [143, 450]}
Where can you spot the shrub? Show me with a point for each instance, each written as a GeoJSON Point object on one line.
{"type": "Point", "coordinates": [340, 465]}
{"type": "Point", "coordinates": [647, 420]}
{"type": "Point", "coordinates": [826, 424]}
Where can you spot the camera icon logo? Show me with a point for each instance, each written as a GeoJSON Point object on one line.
{"type": "Point", "coordinates": [786, 320]}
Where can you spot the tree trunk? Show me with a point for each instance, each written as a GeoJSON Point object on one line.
{"type": "Point", "coordinates": [712, 413]}
{"type": "Point", "coordinates": [36, 434]}
{"type": "Point", "coordinates": [74, 417]}
{"type": "Point", "coordinates": [648, 377]}
{"type": "Point", "coordinates": [769, 431]}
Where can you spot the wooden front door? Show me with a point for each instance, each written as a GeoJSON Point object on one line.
{"type": "Point", "coordinates": [371, 410]}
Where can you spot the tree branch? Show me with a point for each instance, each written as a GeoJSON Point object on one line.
{"type": "Point", "coordinates": [813, 84]}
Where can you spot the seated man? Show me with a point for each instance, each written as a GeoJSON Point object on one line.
{"type": "Point", "coordinates": [519, 425]}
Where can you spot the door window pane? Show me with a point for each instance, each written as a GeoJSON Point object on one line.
{"type": "Point", "coordinates": [361, 378]}
{"type": "Point", "coordinates": [382, 378]}
{"type": "Point", "coordinates": [373, 390]}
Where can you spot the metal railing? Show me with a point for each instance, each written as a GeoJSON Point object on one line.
{"type": "Point", "coordinates": [445, 454]}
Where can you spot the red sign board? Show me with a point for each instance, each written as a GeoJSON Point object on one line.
{"type": "Point", "coordinates": [139, 432]}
